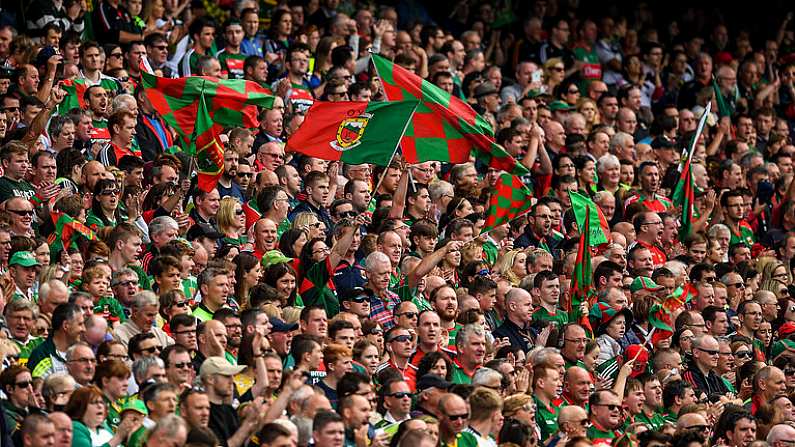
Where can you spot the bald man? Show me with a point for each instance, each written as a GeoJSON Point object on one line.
{"type": "Point", "coordinates": [577, 387]}
{"type": "Point", "coordinates": [571, 421]}
{"type": "Point", "coordinates": [265, 237]}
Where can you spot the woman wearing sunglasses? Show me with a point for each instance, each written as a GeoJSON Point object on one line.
{"type": "Point", "coordinates": [232, 222]}
{"type": "Point", "coordinates": [104, 210]}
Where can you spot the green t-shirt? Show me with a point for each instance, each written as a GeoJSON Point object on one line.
{"type": "Point", "coordinates": [232, 63]}
{"type": "Point", "coordinates": [546, 418]}
{"type": "Point", "coordinates": [559, 317]}
{"type": "Point", "coordinates": [459, 376]}
{"type": "Point", "coordinates": [10, 188]}
{"type": "Point", "coordinates": [654, 422]}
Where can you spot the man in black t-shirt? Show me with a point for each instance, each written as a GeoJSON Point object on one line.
{"type": "Point", "coordinates": [217, 376]}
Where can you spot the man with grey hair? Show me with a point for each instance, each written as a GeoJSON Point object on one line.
{"type": "Point", "coordinates": [125, 286]}
{"type": "Point", "coordinates": [144, 312]}
{"type": "Point", "coordinates": [125, 102]}
{"type": "Point", "coordinates": [169, 430]}
{"type": "Point", "coordinates": [781, 435]}
{"type": "Point", "coordinates": [441, 193]}
{"type": "Point", "coordinates": [148, 368]}
{"type": "Point", "coordinates": [607, 203]}
{"type": "Point", "coordinates": [471, 344]}
{"type": "Point", "coordinates": [519, 313]}
{"type": "Point", "coordinates": [81, 363]}
{"type": "Point", "coordinates": [623, 146]}
{"type": "Point", "coordinates": [489, 378]}
{"type": "Point", "coordinates": [162, 230]}
{"type": "Point", "coordinates": [378, 269]}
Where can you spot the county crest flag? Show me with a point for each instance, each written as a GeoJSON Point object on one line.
{"type": "Point", "coordinates": [600, 229]}
{"type": "Point", "coordinates": [353, 132]}
{"type": "Point", "coordinates": [209, 149]}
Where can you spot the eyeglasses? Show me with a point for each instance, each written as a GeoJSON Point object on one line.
{"type": "Point", "coordinates": [411, 315]}
{"type": "Point", "coordinates": [400, 394]}
{"type": "Point", "coordinates": [245, 174]}
{"type": "Point", "coordinates": [151, 350]}
{"type": "Point", "coordinates": [455, 417]}
{"type": "Point", "coordinates": [128, 283]}
{"type": "Point", "coordinates": [160, 47]}
{"type": "Point", "coordinates": [400, 338]}
{"type": "Point", "coordinates": [659, 222]}
{"type": "Point", "coordinates": [709, 351]}
{"type": "Point", "coordinates": [25, 384]}
{"type": "Point", "coordinates": [183, 365]}
{"type": "Point", "coordinates": [579, 341]}
{"type": "Point", "coordinates": [21, 212]}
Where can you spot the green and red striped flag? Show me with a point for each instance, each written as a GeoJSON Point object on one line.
{"type": "Point", "coordinates": [66, 230]}
{"type": "Point", "coordinates": [353, 132]}
{"type": "Point", "coordinates": [510, 199]}
{"type": "Point", "coordinates": [684, 195]}
{"type": "Point", "coordinates": [209, 148]}
{"type": "Point", "coordinates": [229, 102]}
{"type": "Point", "coordinates": [580, 204]}
{"type": "Point", "coordinates": [581, 289]}
{"type": "Point", "coordinates": [443, 127]}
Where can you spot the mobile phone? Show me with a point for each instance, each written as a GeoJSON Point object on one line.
{"type": "Point", "coordinates": [536, 76]}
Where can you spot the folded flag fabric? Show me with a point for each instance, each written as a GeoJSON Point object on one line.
{"type": "Point", "coordinates": [510, 199]}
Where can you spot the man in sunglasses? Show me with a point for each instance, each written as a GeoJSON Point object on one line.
{"type": "Point", "coordinates": [605, 417]}
{"type": "Point", "coordinates": [701, 374]}
{"type": "Point", "coordinates": [17, 384]}
{"type": "Point", "coordinates": [453, 419]}
{"type": "Point", "coordinates": [397, 402]}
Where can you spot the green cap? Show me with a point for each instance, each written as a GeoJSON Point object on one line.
{"type": "Point", "coordinates": [135, 405]}
{"type": "Point", "coordinates": [555, 106]}
{"type": "Point", "coordinates": [644, 283]}
{"type": "Point", "coordinates": [23, 258]}
{"type": "Point", "coordinates": [274, 257]}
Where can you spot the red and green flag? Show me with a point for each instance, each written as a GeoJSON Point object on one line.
{"type": "Point", "coordinates": [443, 127]}
{"type": "Point", "coordinates": [510, 199]}
{"type": "Point", "coordinates": [209, 148]}
{"type": "Point", "coordinates": [353, 132]}
{"type": "Point", "coordinates": [583, 208]}
{"type": "Point", "coordinates": [684, 195]}
{"type": "Point", "coordinates": [581, 290]}
{"type": "Point", "coordinates": [661, 314]}
{"type": "Point", "coordinates": [229, 102]}
{"type": "Point", "coordinates": [67, 229]}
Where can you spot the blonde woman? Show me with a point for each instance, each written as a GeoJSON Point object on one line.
{"type": "Point", "coordinates": [587, 107]}
{"type": "Point", "coordinates": [771, 268]}
{"type": "Point", "coordinates": [309, 222]}
{"type": "Point", "coordinates": [232, 221]}
{"type": "Point", "coordinates": [554, 73]}
{"type": "Point", "coordinates": [512, 266]}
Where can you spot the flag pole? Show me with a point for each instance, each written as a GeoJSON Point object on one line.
{"type": "Point", "coordinates": [394, 152]}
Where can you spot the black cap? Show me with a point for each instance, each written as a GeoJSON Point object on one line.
{"type": "Point", "coordinates": [351, 294]}
{"type": "Point", "coordinates": [432, 381]}
{"type": "Point", "coordinates": [203, 230]}
{"type": "Point", "coordinates": [281, 326]}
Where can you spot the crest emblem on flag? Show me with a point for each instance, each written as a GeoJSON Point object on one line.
{"type": "Point", "coordinates": [350, 131]}
{"type": "Point", "coordinates": [210, 158]}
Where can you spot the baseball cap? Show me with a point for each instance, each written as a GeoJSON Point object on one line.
{"type": "Point", "coordinates": [556, 106]}
{"type": "Point", "coordinates": [644, 283]}
{"type": "Point", "coordinates": [219, 365]}
{"type": "Point", "coordinates": [274, 257]}
{"type": "Point", "coordinates": [23, 258]}
{"type": "Point", "coordinates": [432, 381]}
{"type": "Point", "coordinates": [280, 325]}
{"type": "Point", "coordinates": [135, 405]}
{"type": "Point", "coordinates": [203, 230]}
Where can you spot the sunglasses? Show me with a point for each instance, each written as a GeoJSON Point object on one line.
{"type": "Point", "coordinates": [401, 339]}
{"type": "Point", "coordinates": [411, 315]}
{"type": "Point", "coordinates": [400, 395]}
{"type": "Point", "coordinates": [109, 192]}
{"type": "Point", "coordinates": [348, 214]}
{"type": "Point", "coordinates": [116, 55]}
{"type": "Point", "coordinates": [23, 384]}
{"type": "Point", "coordinates": [180, 304]}
{"type": "Point", "coordinates": [360, 298]}
{"type": "Point", "coordinates": [610, 407]}
{"type": "Point", "coordinates": [743, 354]}
{"type": "Point", "coordinates": [239, 212]}
{"type": "Point", "coordinates": [183, 365]}
{"type": "Point", "coordinates": [455, 417]}
{"type": "Point", "coordinates": [709, 351]}
{"type": "Point", "coordinates": [21, 212]}
{"type": "Point", "coordinates": [245, 174]}
{"type": "Point", "coordinates": [151, 350]}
